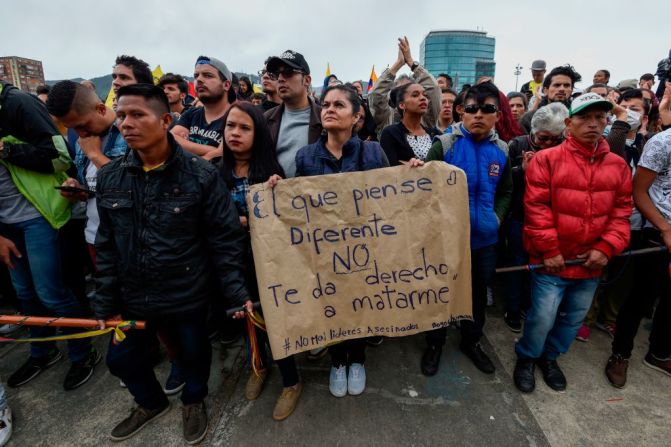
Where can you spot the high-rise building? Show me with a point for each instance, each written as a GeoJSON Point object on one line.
{"type": "Point", "coordinates": [26, 74]}
{"type": "Point", "coordinates": [464, 55]}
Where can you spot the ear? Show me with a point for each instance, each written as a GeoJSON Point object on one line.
{"type": "Point", "coordinates": [307, 80]}
{"type": "Point", "coordinates": [498, 116]}
{"type": "Point", "coordinates": [101, 109]}
{"type": "Point", "coordinates": [166, 121]}
{"type": "Point", "coordinates": [227, 85]}
{"type": "Point", "coordinates": [182, 96]}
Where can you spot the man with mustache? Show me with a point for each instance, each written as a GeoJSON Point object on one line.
{"type": "Point", "coordinates": [557, 87]}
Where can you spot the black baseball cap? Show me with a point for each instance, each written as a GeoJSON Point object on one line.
{"type": "Point", "coordinates": [291, 58]}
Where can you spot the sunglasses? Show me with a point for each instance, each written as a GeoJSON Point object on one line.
{"type": "Point", "coordinates": [287, 72]}
{"type": "Point", "coordinates": [272, 76]}
{"type": "Point", "coordinates": [544, 138]}
{"type": "Point", "coordinates": [472, 109]}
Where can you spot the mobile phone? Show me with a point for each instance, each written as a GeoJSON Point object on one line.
{"type": "Point", "coordinates": [75, 190]}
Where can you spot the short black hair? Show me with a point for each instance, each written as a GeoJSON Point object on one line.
{"type": "Point", "coordinates": [522, 96]}
{"type": "Point", "coordinates": [597, 85]}
{"type": "Point", "coordinates": [151, 93]}
{"type": "Point", "coordinates": [647, 77]}
{"type": "Point", "coordinates": [42, 90]}
{"type": "Point", "coordinates": [61, 97]}
{"type": "Point", "coordinates": [171, 78]}
{"type": "Point", "coordinates": [260, 96]}
{"type": "Point", "coordinates": [635, 93]}
{"type": "Point", "coordinates": [565, 70]}
{"type": "Point", "coordinates": [482, 91]}
{"type": "Point", "coordinates": [448, 90]}
{"type": "Point", "coordinates": [139, 68]}
{"type": "Point", "coordinates": [605, 72]}
{"type": "Point", "coordinates": [446, 76]}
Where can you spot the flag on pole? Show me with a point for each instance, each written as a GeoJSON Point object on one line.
{"type": "Point", "coordinates": [326, 76]}
{"type": "Point", "coordinates": [109, 101]}
{"type": "Point", "coordinates": [157, 74]}
{"type": "Point", "coordinates": [372, 80]}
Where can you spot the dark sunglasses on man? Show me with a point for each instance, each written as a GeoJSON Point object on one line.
{"type": "Point", "coordinates": [472, 109]}
{"type": "Point", "coordinates": [262, 73]}
{"type": "Point", "coordinates": [287, 72]}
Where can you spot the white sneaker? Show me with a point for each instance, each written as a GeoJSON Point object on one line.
{"type": "Point", "coordinates": [338, 381]}
{"type": "Point", "coordinates": [5, 425]}
{"type": "Point", "coordinates": [356, 379]}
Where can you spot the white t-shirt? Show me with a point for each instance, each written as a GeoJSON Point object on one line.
{"type": "Point", "coordinates": [657, 157]}
{"type": "Point", "coordinates": [92, 219]}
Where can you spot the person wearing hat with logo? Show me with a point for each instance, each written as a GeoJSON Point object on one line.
{"type": "Point", "coordinates": [199, 130]}
{"type": "Point", "coordinates": [537, 73]}
{"type": "Point", "coordinates": [296, 122]}
{"type": "Point", "coordinates": [577, 206]}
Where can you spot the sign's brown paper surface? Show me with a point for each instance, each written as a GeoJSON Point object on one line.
{"type": "Point", "coordinates": [383, 252]}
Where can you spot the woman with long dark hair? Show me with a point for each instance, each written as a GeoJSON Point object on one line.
{"type": "Point", "coordinates": [249, 158]}
{"type": "Point", "coordinates": [246, 89]}
{"type": "Point", "coordinates": [408, 138]}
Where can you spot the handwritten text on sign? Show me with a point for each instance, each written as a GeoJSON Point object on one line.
{"type": "Point", "coordinates": [383, 252]}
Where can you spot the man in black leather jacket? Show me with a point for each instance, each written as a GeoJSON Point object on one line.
{"type": "Point", "coordinates": [169, 241]}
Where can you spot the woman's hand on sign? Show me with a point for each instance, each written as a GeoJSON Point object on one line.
{"type": "Point", "coordinates": [413, 163]}
{"type": "Point", "coordinates": [273, 181]}
{"type": "Point", "coordinates": [249, 308]}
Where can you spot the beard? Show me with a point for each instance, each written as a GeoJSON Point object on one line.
{"type": "Point", "coordinates": [212, 98]}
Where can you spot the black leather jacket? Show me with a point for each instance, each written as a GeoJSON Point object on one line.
{"type": "Point", "coordinates": [169, 239]}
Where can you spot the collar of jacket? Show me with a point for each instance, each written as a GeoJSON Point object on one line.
{"type": "Point", "coordinates": [461, 131]}
{"type": "Point", "coordinates": [133, 161]}
{"type": "Point", "coordinates": [586, 151]}
{"type": "Point", "coordinates": [349, 147]}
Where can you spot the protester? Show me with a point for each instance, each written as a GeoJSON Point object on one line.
{"type": "Point", "coordinates": [444, 81]}
{"type": "Point", "coordinates": [258, 99]}
{"type": "Point", "coordinates": [249, 158]}
{"type": "Point", "coordinates": [130, 70]}
{"type": "Point", "coordinates": [530, 89]}
{"type": "Point", "coordinates": [474, 147]}
{"type": "Point", "coordinates": [577, 205]}
{"type": "Point", "coordinates": [379, 96]}
{"type": "Point", "coordinates": [269, 87]}
{"type": "Point", "coordinates": [601, 77]}
{"type": "Point", "coordinates": [340, 150]}
{"type": "Point", "coordinates": [296, 122]}
{"type": "Point", "coordinates": [7, 251]}
{"type": "Point", "coordinates": [358, 86]}
{"type": "Point", "coordinates": [246, 89]}
{"type": "Point", "coordinates": [646, 81]}
{"type": "Point", "coordinates": [446, 117]}
{"type": "Point", "coordinates": [196, 240]}
{"type": "Point", "coordinates": [547, 130]}
{"type": "Point", "coordinates": [176, 89]}
{"type": "Point", "coordinates": [633, 112]}
{"type": "Point", "coordinates": [518, 104]}
{"type": "Point", "coordinates": [600, 89]}
{"type": "Point", "coordinates": [557, 87]}
{"type": "Point", "coordinates": [198, 131]}
{"type": "Point", "coordinates": [33, 159]}
{"type": "Point", "coordinates": [507, 126]}
{"type": "Point", "coordinates": [409, 138]}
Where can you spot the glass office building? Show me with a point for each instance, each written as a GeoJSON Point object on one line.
{"type": "Point", "coordinates": [464, 55]}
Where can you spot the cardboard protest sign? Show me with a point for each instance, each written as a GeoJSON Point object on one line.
{"type": "Point", "coordinates": [383, 252]}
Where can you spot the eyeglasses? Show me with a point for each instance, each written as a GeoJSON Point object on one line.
{"type": "Point", "coordinates": [272, 76]}
{"type": "Point", "coordinates": [472, 109]}
{"type": "Point", "coordinates": [287, 72]}
{"type": "Point", "coordinates": [547, 138]}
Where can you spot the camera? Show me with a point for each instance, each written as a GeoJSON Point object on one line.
{"type": "Point", "coordinates": [664, 69]}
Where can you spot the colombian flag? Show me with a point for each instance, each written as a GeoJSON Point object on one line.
{"type": "Point", "coordinates": [372, 80]}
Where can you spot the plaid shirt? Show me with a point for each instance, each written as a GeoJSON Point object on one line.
{"type": "Point", "coordinates": [239, 194]}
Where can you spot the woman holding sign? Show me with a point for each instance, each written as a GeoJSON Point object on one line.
{"type": "Point", "coordinates": [248, 158]}
{"type": "Point", "coordinates": [340, 150]}
{"type": "Point", "coordinates": [408, 138]}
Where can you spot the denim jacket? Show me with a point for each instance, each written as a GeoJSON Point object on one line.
{"type": "Point", "coordinates": [113, 146]}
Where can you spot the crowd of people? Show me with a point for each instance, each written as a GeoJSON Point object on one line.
{"type": "Point", "coordinates": [149, 197]}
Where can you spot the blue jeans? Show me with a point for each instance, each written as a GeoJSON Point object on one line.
{"type": "Point", "coordinates": [517, 283]}
{"type": "Point", "coordinates": [131, 360]}
{"type": "Point", "coordinates": [558, 308]}
{"type": "Point", "coordinates": [3, 397]}
{"type": "Point", "coordinates": [38, 280]}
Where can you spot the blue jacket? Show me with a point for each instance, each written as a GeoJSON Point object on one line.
{"type": "Point", "coordinates": [115, 146]}
{"type": "Point", "coordinates": [488, 175]}
{"type": "Point", "coordinates": [357, 155]}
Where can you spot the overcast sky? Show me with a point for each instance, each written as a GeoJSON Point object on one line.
{"type": "Point", "coordinates": [78, 38]}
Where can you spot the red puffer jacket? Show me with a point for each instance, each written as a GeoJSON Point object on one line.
{"type": "Point", "coordinates": [577, 198]}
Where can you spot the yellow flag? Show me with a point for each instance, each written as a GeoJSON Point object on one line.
{"type": "Point", "coordinates": [157, 74]}
{"type": "Point", "coordinates": [110, 98]}
{"type": "Point", "coordinates": [328, 69]}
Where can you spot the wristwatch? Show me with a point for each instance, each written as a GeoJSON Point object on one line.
{"type": "Point", "coordinates": [414, 65]}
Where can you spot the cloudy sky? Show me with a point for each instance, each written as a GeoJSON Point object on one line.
{"type": "Point", "coordinates": [78, 38]}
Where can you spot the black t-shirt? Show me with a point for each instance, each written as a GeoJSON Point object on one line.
{"type": "Point", "coordinates": [200, 131]}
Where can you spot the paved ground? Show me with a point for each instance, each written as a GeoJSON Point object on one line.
{"type": "Point", "coordinates": [459, 406]}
